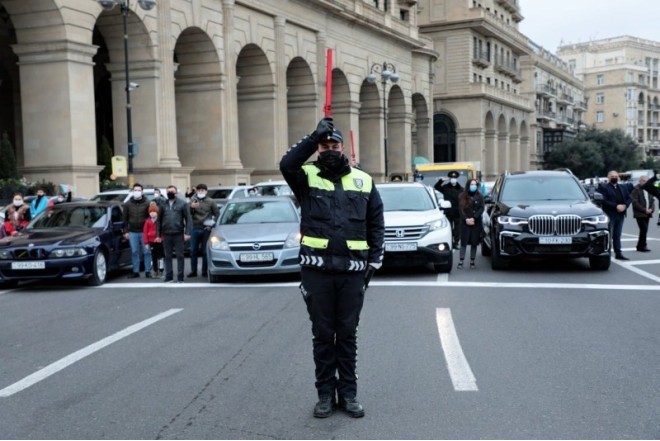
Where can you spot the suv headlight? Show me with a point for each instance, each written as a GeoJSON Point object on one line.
{"type": "Point", "coordinates": [219, 243]}
{"type": "Point", "coordinates": [292, 240]}
{"type": "Point", "coordinates": [596, 220]}
{"type": "Point", "coordinates": [438, 224]}
{"type": "Point", "coordinates": [68, 252]}
{"type": "Point", "coordinates": [511, 220]}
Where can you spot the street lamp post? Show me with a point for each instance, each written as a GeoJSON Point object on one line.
{"type": "Point", "coordinates": [387, 71]}
{"type": "Point", "coordinates": [108, 5]}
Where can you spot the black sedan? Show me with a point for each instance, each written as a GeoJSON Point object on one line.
{"type": "Point", "coordinates": [78, 240]}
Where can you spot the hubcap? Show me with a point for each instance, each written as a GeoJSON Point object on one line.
{"type": "Point", "coordinates": [101, 268]}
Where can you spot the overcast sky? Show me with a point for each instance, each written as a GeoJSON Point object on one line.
{"type": "Point", "coordinates": [549, 22]}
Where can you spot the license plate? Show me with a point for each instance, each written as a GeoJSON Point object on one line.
{"type": "Point", "coordinates": [28, 265]}
{"type": "Point", "coordinates": [555, 240]}
{"type": "Point", "coordinates": [402, 246]}
{"type": "Point", "coordinates": [256, 257]}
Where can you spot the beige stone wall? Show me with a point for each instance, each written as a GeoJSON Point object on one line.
{"type": "Point", "coordinates": [195, 117]}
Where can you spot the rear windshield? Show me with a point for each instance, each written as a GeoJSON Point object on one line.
{"type": "Point", "coordinates": [406, 199]}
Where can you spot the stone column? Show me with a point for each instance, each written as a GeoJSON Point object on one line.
{"type": "Point", "coordinates": [281, 112]}
{"type": "Point", "coordinates": [166, 103]}
{"type": "Point", "coordinates": [503, 161]}
{"type": "Point", "coordinates": [58, 114]}
{"type": "Point", "coordinates": [230, 117]}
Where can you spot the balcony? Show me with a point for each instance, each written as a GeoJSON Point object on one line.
{"type": "Point", "coordinates": [507, 69]}
{"type": "Point", "coordinates": [580, 105]}
{"type": "Point", "coordinates": [546, 115]}
{"type": "Point", "coordinates": [512, 7]}
{"type": "Point", "coordinates": [544, 89]}
{"type": "Point", "coordinates": [565, 98]}
{"type": "Point", "coordinates": [481, 59]}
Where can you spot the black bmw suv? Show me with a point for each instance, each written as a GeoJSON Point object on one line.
{"type": "Point", "coordinates": [543, 214]}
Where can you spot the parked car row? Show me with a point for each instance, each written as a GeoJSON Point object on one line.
{"type": "Point", "coordinates": [528, 214]}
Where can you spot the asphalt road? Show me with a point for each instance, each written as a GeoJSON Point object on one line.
{"type": "Point", "coordinates": [547, 350]}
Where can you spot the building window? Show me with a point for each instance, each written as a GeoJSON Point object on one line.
{"type": "Point", "coordinates": [600, 98]}
{"type": "Point", "coordinates": [572, 63]}
{"type": "Point", "coordinates": [600, 79]}
{"type": "Point", "coordinates": [404, 14]}
{"type": "Point", "coordinates": [600, 116]}
{"type": "Point", "coordinates": [629, 77]}
{"type": "Point", "coordinates": [631, 94]}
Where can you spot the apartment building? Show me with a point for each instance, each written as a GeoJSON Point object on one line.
{"type": "Point", "coordinates": [620, 76]}
{"type": "Point", "coordinates": [558, 96]}
{"type": "Point", "coordinates": [225, 86]}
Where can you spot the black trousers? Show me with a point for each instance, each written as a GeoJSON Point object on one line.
{"type": "Point", "coordinates": [643, 224]}
{"type": "Point", "coordinates": [173, 242]}
{"type": "Point", "coordinates": [334, 303]}
{"type": "Point", "coordinates": [455, 223]}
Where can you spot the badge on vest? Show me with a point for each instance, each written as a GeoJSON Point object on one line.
{"type": "Point", "coordinates": [358, 182]}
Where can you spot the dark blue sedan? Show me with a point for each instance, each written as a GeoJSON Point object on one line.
{"type": "Point", "coordinates": [78, 240]}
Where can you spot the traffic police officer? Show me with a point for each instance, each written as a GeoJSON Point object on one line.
{"type": "Point", "coordinates": [342, 233]}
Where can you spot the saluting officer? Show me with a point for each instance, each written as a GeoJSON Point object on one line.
{"type": "Point", "coordinates": [451, 192]}
{"type": "Point", "coordinates": [342, 230]}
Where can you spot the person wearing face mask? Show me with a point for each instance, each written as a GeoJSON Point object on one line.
{"type": "Point", "coordinates": [17, 216]}
{"type": "Point", "coordinates": [152, 240]}
{"type": "Point", "coordinates": [451, 191]}
{"type": "Point", "coordinates": [343, 230]}
{"type": "Point", "coordinates": [204, 211]}
{"type": "Point", "coordinates": [39, 203]}
{"type": "Point", "coordinates": [471, 207]}
{"type": "Point", "coordinates": [64, 195]}
{"type": "Point", "coordinates": [616, 199]}
{"type": "Point", "coordinates": [175, 226]}
{"type": "Point", "coordinates": [134, 214]}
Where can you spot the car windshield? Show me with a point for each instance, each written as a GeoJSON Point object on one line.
{"type": "Point", "coordinates": [258, 212]}
{"type": "Point", "coordinates": [546, 188]}
{"type": "Point", "coordinates": [406, 199]}
{"type": "Point", "coordinates": [274, 190]}
{"type": "Point", "coordinates": [71, 216]}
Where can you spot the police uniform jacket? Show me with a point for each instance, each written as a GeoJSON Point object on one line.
{"type": "Point", "coordinates": [342, 224]}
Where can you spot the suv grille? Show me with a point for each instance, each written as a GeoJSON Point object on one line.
{"type": "Point", "coordinates": [562, 225]}
{"type": "Point", "coordinates": [406, 233]}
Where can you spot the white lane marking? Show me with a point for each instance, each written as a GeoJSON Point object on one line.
{"type": "Point", "coordinates": [459, 369]}
{"type": "Point", "coordinates": [465, 284]}
{"type": "Point", "coordinates": [643, 262]}
{"type": "Point", "coordinates": [79, 355]}
{"type": "Point", "coordinates": [642, 273]}
{"type": "Point", "coordinates": [442, 278]}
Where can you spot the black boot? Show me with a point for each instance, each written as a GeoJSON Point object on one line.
{"type": "Point", "coordinates": [351, 406]}
{"type": "Point", "coordinates": [323, 408]}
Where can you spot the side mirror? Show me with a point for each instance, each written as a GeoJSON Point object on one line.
{"type": "Point", "coordinates": [445, 204]}
{"type": "Point", "coordinates": [598, 197]}
{"type": "Point", "coordinates": [118, 226]}
{"type": "Point", "coordinates": [488, 199]}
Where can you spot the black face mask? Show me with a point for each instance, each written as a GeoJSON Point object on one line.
{"type": "Point", "coordinates": [332, 160]}
{"type": "Point", "coordinates": [614, 180]}
{"type": "Point", "coordinates": [170, 195]}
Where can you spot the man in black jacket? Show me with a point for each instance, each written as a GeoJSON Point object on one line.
{"type": "Point", "coordinates": [615, 203]}
{"type": "Point", "coordinates": [451, 192]}
{"type": "Point", "coordinates": [136, 211]}
{"type": "Point", "coordinates": [343, 230]}
{"type": "Point", "coordinates": [175, 224]}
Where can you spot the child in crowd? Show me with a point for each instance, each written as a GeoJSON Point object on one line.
{"type": "Point", "coordinates": [152, 240]}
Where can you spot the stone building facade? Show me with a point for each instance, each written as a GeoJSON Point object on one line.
{"type": "Point", "coordinates": [620, 75]}
{"type": "Point", "coordinates": [225, 86]}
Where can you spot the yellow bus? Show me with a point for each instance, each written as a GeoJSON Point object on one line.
{"type": "Point", "coordinates": [430, 173]}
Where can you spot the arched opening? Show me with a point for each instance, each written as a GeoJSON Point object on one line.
{"type": "Point", "coordinates": [10, 93]}
{"type": "Point", "coordinates": [198, 85]}
{"type": "Point", "coordinates": [444, 138]}
{"type": "Point", "coordinates": [256, 108]}
{"type": "Point", "coordinates": [420, 127]}
{"type": "Point", "coordinates": [301, 100]}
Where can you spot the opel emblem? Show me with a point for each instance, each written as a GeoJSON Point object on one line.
{"type": "Point", "coordinates": [400, 233]}
{"type": "Point", "coordinates": [256, 246]}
